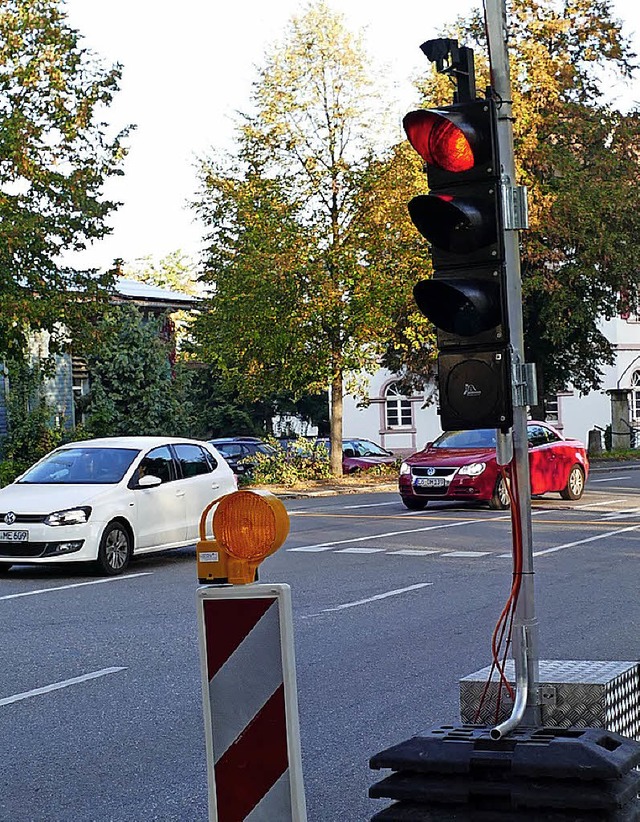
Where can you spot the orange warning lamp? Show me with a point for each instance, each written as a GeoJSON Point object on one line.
{"type": "Point", "coordinates": [248, 526]}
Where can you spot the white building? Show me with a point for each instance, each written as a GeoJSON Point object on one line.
{"type": "Point", "coordinates": [404, 424]}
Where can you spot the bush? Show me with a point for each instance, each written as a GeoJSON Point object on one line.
{"type": "Point", "coordinates": [32, 433]}
{"type": "Point", "coordinates": [298, 462]}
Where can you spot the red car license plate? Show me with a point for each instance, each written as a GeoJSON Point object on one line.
{"type": "Point", "coordinates": [429, 482]}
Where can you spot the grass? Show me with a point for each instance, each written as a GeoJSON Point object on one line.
{"type": "Point", "coordinates": [621, 454]}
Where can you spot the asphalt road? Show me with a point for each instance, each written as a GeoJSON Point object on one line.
{"type": "Point", "coordinates": [100, 700]}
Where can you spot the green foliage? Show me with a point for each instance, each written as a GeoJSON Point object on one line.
{"type": "Point", "coordinates": [299, 462]}
{"type": "Point", "coordinates": [55, 155]}
{"type": "Point", "coordinates": [307, 282]}
{"type": "Point", "coordinates": [31, 429]}
{"type": "Point", "coordinates": [133, 387]}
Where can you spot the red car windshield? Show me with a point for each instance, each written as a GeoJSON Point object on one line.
{"type": "Point", "coordinates": [482, 438]}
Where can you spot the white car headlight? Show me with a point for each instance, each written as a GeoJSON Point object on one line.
{"type": "Point", "coordinates": [405, 468]}
{"type": "Point", "coordinates": [71, 516]}
{"type": "Point", "coordinates": [473, 469]}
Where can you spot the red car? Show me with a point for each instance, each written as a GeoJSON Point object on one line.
{"type": "Point", "coordinates": [461, 465]}
{"type": "Point", "coordinates": [360, 454]}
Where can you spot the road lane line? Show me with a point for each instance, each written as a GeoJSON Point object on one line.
{"type": "Point", "coordinates": [368, 505]}
{"type": "Point", "coordinates": [414, 552]}
{"type": "Point", "coordinates": [596, 504]}
{"type": "Point", "coordinates": [583, 541]}
{"type": "Point", "coordinates": [328, 546]}
{"type": "Point", "coordinates": [610, 479]}
{"type": "Point", "coordinates": [370, 599]}
{"type": "Point", "coordinates": [468, 554]}
{"type": "Point", "coordinates": [360, 551]}
{"type": "Point", "coordinates": [75, 585]}
{"type": "Point", "coordinates": [56, 686]}
{"type": "Point", "coordinates": [626, 512]}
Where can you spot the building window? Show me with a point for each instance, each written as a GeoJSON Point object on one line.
{"type": "Point", "coordinates": [398, 408]}
{"type": "Point", "coordinates": [635, 396]}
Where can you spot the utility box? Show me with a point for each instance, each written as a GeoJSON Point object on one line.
{"type": "Point", "coordinates": [573, 693]}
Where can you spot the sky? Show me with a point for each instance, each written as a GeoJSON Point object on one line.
{"type": "Point", "coordinates": [188, 67]}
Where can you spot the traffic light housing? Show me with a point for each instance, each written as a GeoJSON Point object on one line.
{"type": "Point", "coordinates": [466, 299]}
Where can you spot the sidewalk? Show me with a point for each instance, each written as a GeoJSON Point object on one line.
{"type": "Point", "coordinates": [330, 487]}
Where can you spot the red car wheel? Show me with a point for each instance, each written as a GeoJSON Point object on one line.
{"type": "Point", "coordinates": [575, 484]}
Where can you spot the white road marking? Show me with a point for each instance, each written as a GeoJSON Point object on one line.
{"type": "Point", "coordinates": [341, 507]}
{"type": "Point", "coordinates": [626, 512]}
{"type": "Point", "coordinates": [328, 546]}
{"type": "Point", "coordinates": [360, 551]}
{"type": "Point", "coordinates": [596, 504]}
{"type": "Point", "coordinates": [56, 686]}
{"type": "Point", "coordinates": [583, 541]}
{"type": "Point", "coordinates": [610, 479]}
{"type": "Point", "coordinates": [367, 505]}
{"type": "Point", "coordinates": [370, 599]}
{"type": "Point", "coordinates": [468, 554]}
{"type": "Point", "coordinates": [74, 585]}
{"type": "Point", "coordinates": [413, 552]}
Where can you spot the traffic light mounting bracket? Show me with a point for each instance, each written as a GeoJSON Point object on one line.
{"type": "Point", "coordinates": [456, 61]}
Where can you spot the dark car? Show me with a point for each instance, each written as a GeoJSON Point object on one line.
{"type": "Point", "coordinates": [239, 451]}
{"type": "Point", "coordinates": [360, 454]}
{"type": "Point", "coordinates": [462, 465]}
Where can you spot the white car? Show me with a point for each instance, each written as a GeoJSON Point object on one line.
{"type": "Point", "coordinates": [103, 500]}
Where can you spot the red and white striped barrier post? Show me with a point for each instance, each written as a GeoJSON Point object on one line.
{"type": "Point", "coordinates": [252, 735]}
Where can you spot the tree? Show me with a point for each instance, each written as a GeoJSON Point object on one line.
{"type": "Point", "coordinates": [133, 388]}
{"type": "Point", "coordinates": [32, 429]}
{"type": "Point", "coordinates": [579, 158]}
{"type": "Point", "coordinates": [55, 155]}
{"type": "Point", "coordinates": [301, 301]}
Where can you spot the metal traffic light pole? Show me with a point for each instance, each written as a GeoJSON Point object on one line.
{"type": "Point", "coordinates": [526, 709]}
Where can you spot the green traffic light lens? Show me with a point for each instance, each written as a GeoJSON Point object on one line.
{"type": "Point", "coordinates": [464, 307]}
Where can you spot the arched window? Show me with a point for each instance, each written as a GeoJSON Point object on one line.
{"type": "Point", "coordinates": [635, 396]}
{"type": "Point", "coordinates": [398, 408]}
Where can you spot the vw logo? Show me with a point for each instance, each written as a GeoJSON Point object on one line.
{"type": "Point", "coordinates": [431, 472]}
{"type": "Point", "coordinates": [10, 518]}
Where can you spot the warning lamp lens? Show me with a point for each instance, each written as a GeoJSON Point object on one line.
{"type": "Point", "coordinates": [250, 525]}
{"type": "Point", "coordinates": [438, 141]}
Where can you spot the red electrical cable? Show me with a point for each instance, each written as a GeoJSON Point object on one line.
{"type": "Point", "coordinates": [504, 625]}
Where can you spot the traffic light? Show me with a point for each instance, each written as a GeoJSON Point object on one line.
{"type": "Point", "coordinates": [466, 299]}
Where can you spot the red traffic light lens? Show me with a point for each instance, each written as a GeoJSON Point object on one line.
{"type": "Point", "coordinates": [439, 141]}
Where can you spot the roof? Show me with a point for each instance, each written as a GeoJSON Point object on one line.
{"type": "Point", "coordinates": [152, 296]}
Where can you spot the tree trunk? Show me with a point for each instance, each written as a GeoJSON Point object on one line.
{"type": "Point", "coordinates": [336, 425]}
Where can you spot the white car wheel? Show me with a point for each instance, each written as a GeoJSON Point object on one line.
{"type": "Point", "coordinates": [115, 549]}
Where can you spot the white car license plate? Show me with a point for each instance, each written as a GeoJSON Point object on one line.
{"type": "Point", "coordinates": [429, 482]}
{"type": "Point", "coordinates": [14, 536]}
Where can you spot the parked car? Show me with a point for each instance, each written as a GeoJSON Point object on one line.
{"type": "Point", "coordinates": [106, 499]}
{"type": "Point", "coordinates": [238, 452]}
{"type": "Point", "coordinates": [461, 465]}
{"type": "Point", "coordinates": [360, 454]}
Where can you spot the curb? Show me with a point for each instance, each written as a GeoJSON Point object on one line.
{"type": "Point", "coordinates": [332, 491]}
{"type": "Point", "coordinates": [606, 465]}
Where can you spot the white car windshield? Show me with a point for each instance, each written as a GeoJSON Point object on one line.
{"type": "Point", "coordinates": [81, 466]}
{"type": "Point", "coordinates": [482, 438]}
